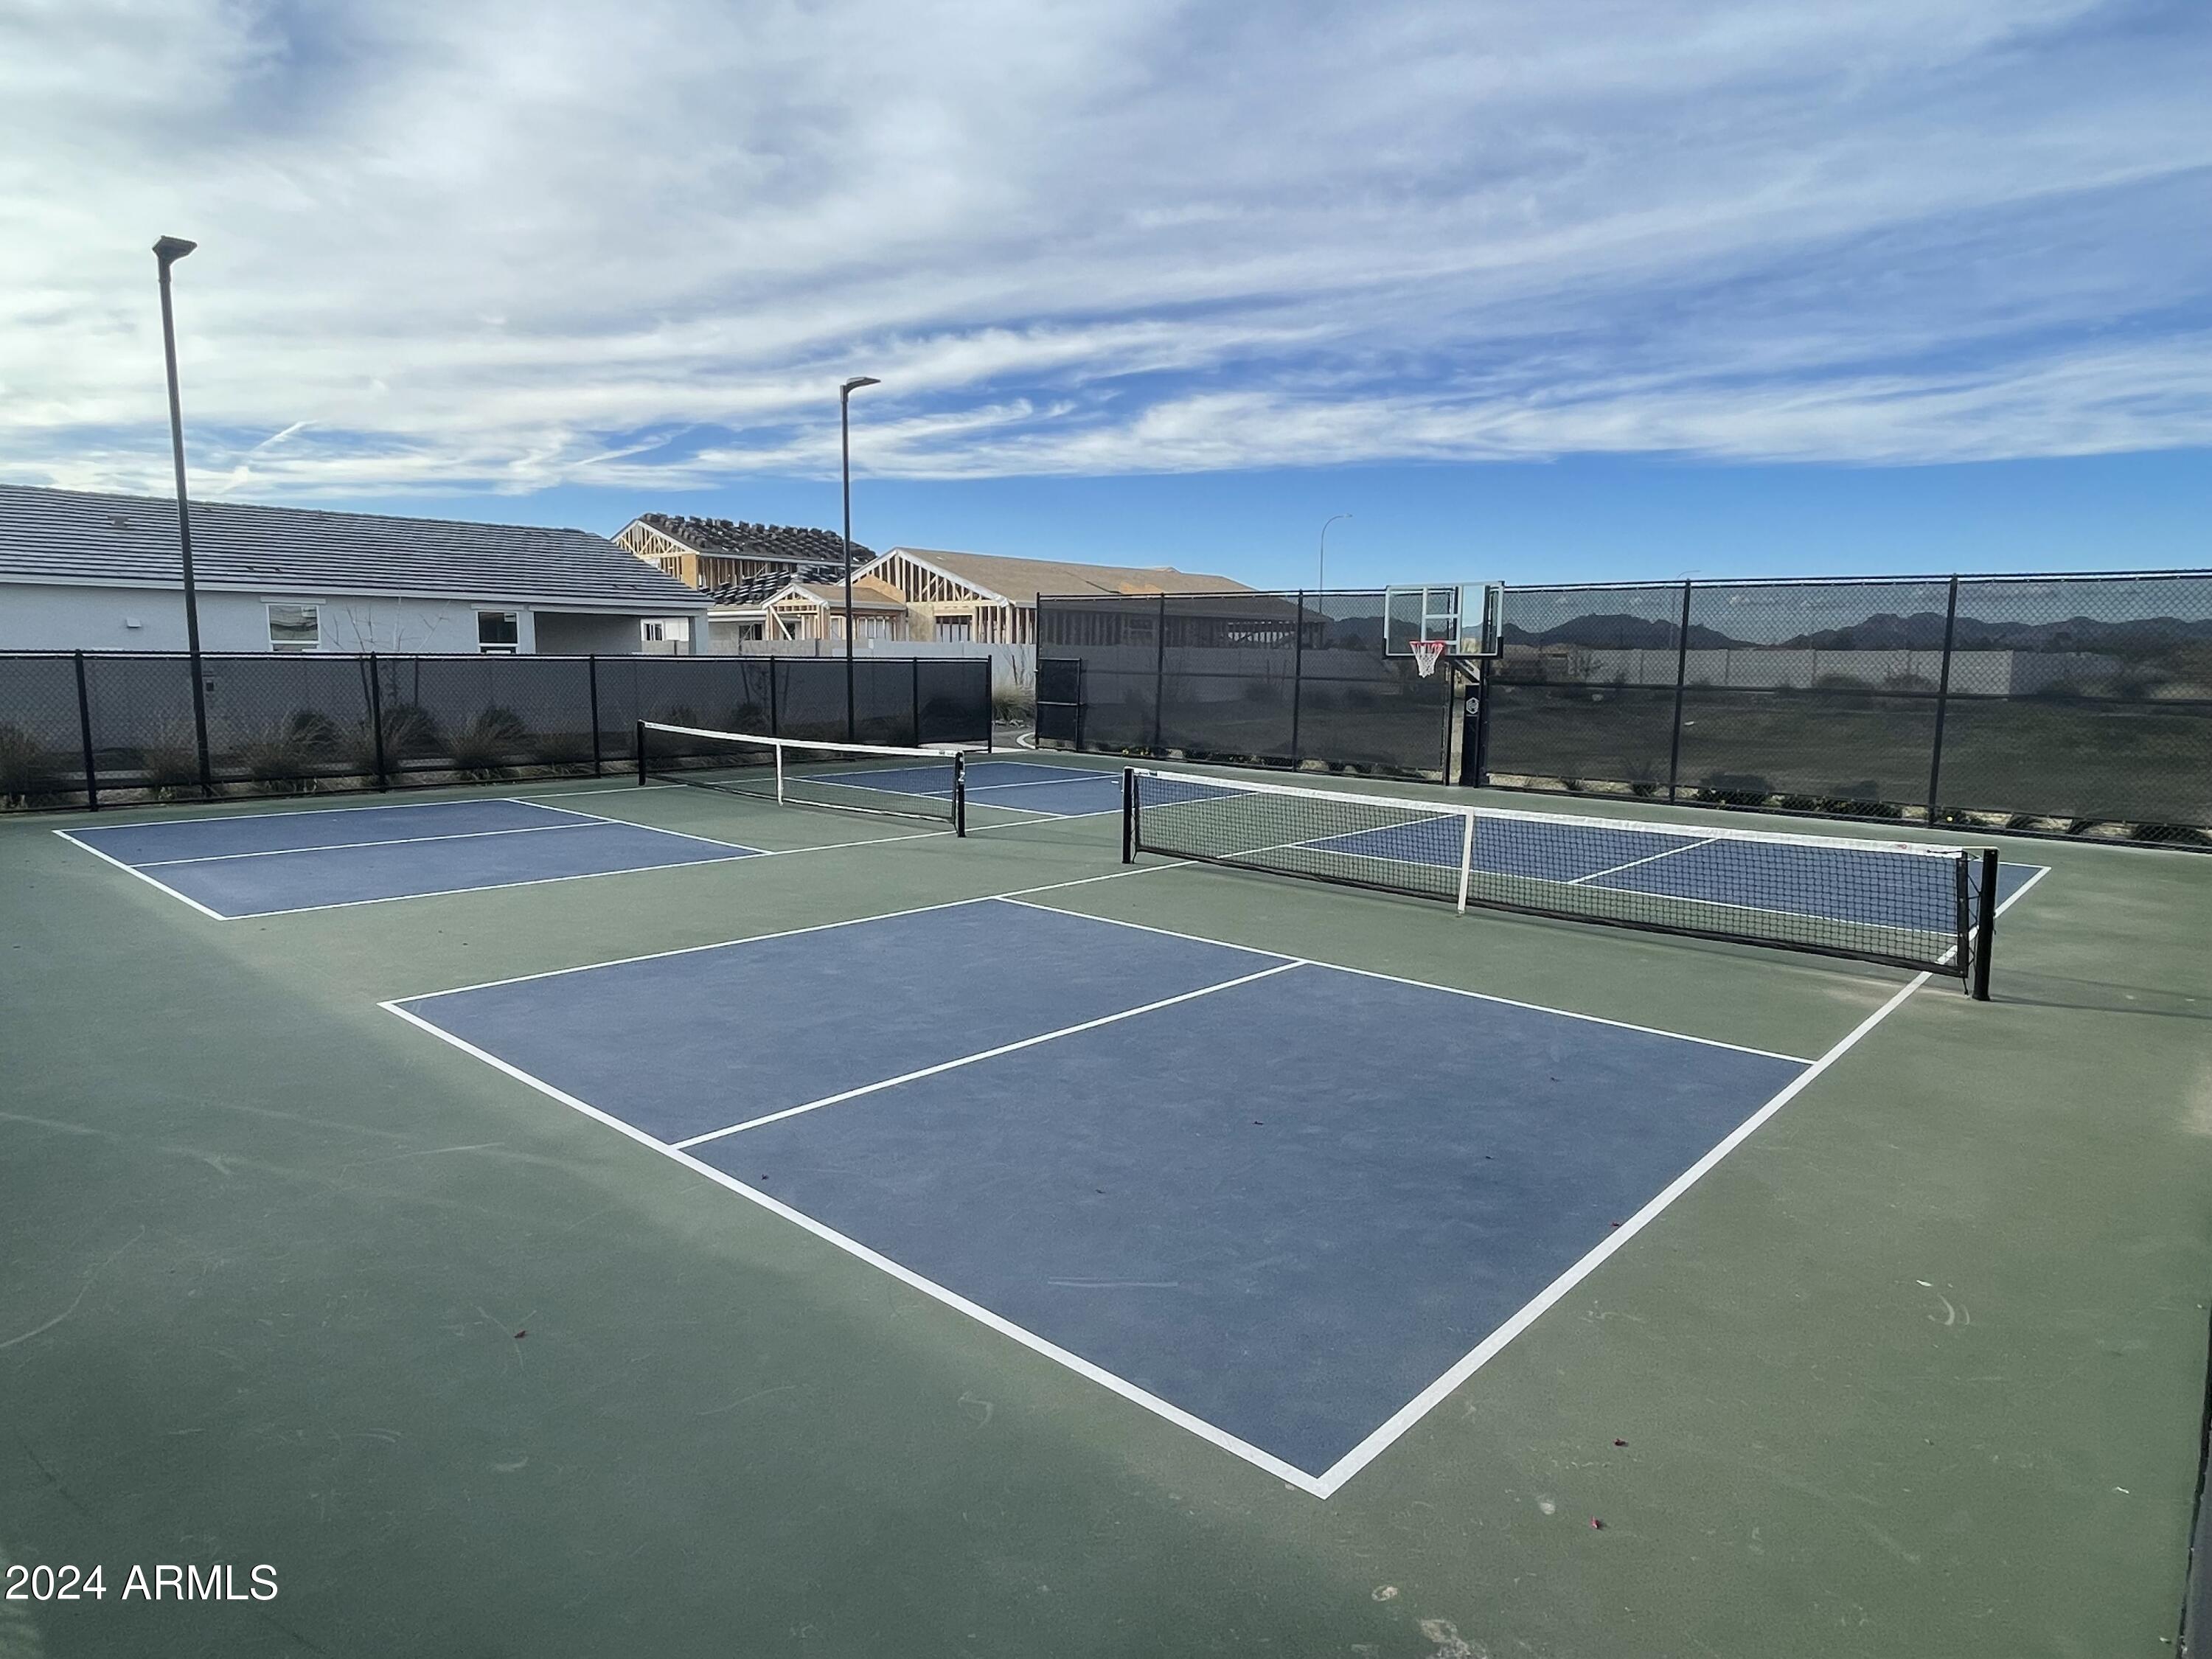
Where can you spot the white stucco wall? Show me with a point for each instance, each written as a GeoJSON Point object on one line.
{"type": "Point", "coordinates": [53, 616]}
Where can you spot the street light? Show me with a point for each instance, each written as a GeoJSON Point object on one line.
{"type": "Point", "coordinates": [845, 449]}
{"type": "Point", "coordinates": [1320, 578]}
{"type": "Point", "coordinates": [167, 252]}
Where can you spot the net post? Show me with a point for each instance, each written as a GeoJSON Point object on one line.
{"type": "Point", "coordinates": [1129, 814]}
{"type": "Point", "coordinates": [641, 754]}
{"type": "Point", "coordinates": [779, 775]}
{"type": "Point", "coordinates": [1985, 926]}
{"type": "Point", "coordinates": [84, 737]}
{"type": "Point", "coordinates": [1466, 862]}
{"type": "Point", "coordinates": [959, 791]}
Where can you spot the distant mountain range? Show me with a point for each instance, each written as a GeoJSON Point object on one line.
{"type": "Point", "coordinates": [1921, 631]}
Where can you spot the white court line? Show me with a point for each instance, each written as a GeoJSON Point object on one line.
{"type": "Point", "coordinates": [1649, 858]}
{"type": "Point", "coordinates": [132, 870]}
{"type": "Point", "coordinates": [104, 822]}
{"type": "Point", "coordinates": [735, 852]}
{"type": "Point", "coordinates": [1332, 1480]}
{"type": "Point", "coordinates": [1284, 966]}
{"type": "Point", "coordinates": [590, 823]}
{"type": "Point", "coordinates": [1424, 985]}
{"type": "Point", "coordinates": [813, 927]}
{"type": "Point", "coordinates": [1421, 1404]}
{"type": "Point", "coordinates": [1074, 1362]}
{"type": "Point", "coordinates": [590, 820]}
{"type": "Point", "coordinates": [611, 787]}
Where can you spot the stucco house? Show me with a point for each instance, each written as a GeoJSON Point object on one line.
{"type": "Point", "coordinates": [87, 572]}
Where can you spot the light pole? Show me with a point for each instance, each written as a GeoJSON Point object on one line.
{"type": "Point", "coordinates": [1321, 577]}
{"type": "Point", "coordinates": [167, 252]}
{"type": "Point", "coordinates": [845, 450]}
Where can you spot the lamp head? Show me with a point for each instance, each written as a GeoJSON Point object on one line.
{"type": "Point", "coordinates": [170, 249]}
{"type": "Point", "coordinates": [856, 383]}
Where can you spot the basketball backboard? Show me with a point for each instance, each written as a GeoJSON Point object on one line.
{"type": "Point", "coordinates": [1465, 615]}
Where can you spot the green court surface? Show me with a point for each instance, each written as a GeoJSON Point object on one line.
{"type": "Point", "coordinates": [1916, 1369]}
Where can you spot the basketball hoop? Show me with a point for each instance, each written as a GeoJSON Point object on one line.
{"type": "Point", "coordinates": [1427, 653]}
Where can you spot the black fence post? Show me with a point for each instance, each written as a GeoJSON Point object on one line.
{"type": "Point", "coordinates": [916, 664]}
{"type": "Point", "coordinates": [376, 723]}
{"type": "Point", "coordinates": [1297, 673]}
{"type": "Point", "coordinates": [1943, 700]}
{"type": "Point", "coordinates": [1681, 675]}
{"type": "Point", "coordinates": [1160, 677]}
{"type": "Point", "coordinates": [198, 672]}
{"type": "Point", "coordinates": [84, 736]}
{"type": "Point", "coordinates": [591, 676]}
{"type": "Point", "coordinates": [775, 728]}
{"type": "Point", "coordinates": [1475, 769]}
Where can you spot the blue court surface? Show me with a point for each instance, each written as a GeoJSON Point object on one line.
{"type": "Point", "coordinates": [1051, 792]}
{"type": "Point", "coordinates": [271, 863]}
{"type": "Point", "coordinates": [1282, 1204]}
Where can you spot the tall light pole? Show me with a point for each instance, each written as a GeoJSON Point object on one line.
{"type": "Point", "coordinates": [167, 252]}
{"type": "Point", "coordinates": [845, 450]}
{"type": "Point", "coordinates": [1321, 577]}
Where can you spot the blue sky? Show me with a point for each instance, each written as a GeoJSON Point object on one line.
{"type": "Point", "coordinates": [1599, 288]}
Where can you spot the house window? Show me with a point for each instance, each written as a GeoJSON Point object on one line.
{"type": "Point", "coordinates": [294, 627]}
{"type": "Point", "coordinates": [955, 627]}
{"type": "Point", "coordinates": [498, 633]}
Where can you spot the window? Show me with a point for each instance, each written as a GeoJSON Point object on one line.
{"type": "Point", "coordinates": [294, 627]}
{"type": "Point", "coordinates": [498, 633]}
{"type": "Point", "coordinates": [955, 627]}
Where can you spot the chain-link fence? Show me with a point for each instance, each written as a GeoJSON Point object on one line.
{"type": "Point", "coordinates": [101, 729]}
{"type": "Point", "coordinates": [1281, 679]}
{"type": "Point", "coordinates": [2077, 705]}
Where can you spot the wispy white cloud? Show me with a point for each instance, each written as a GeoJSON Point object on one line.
{"type": "Point", "coordinates": [503, 247]}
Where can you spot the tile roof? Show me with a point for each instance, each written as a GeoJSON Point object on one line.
{"type": "Point", "coordinates": [759, 590]}
{"type": "Point", "coordinates": [729, 539]}
{"type": "Point", "coordinates": [65, 535]}
{"type": "Point", "coordinates": [1020, 580]}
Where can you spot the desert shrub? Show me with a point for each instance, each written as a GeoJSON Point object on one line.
{"type": "Point", "coordinates": [28, 771]}
{"type": "Point", "coordinates": [484, 748]}
{"type": "Point", "coordinates": [171, 761]}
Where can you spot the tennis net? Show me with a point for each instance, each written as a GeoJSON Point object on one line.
{"type": "Point", "coordinates": [853, 777]}
{"type": "Point", "coordinates": [1900, 903]}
